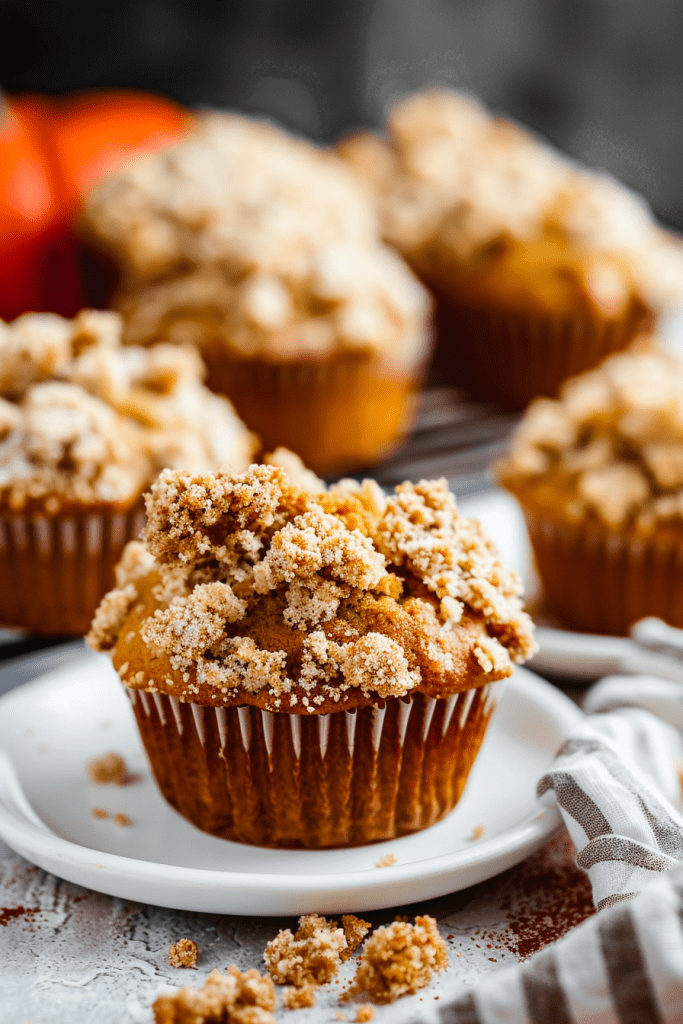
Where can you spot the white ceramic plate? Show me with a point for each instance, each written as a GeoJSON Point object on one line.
{"type": "Point", "coordinates": [581, 657]}
{"type": "Point", "coordinates": [51, 727]}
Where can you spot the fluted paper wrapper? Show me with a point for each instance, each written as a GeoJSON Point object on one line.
{"type": "Point", "coordinates": [341, 779]}
{"type": "Point", "coordinates": [346, 411]}
{"type": "Point", "coordinates": [508, 357]}
{"type": "Point", "coordinates": [600, 582]}
{"type": "Point", "coordinates": [54, 570]}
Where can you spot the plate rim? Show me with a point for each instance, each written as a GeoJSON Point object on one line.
{"type": "Point", "coordinates": [516, 841]}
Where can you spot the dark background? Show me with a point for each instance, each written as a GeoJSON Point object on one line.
{"type": "Point", "coordinates": [603, 79]}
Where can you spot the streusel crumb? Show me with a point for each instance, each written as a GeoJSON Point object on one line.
{"type": "Point", "coordinates": [109, 769]}
{"type": "Point", "coordinates": [232, 998]}
{"type": "Point", "coordinates": [122, 820]}
{"type": "Point", "coordinates": [183, 953]}
{"type": "Point", "coordinates": [610, 447]}
{"type": "Point", "coordinates": [386, 861]}
{"type": "Point", "coordinates": [399, 959]}
{"type": "Point", "coordinates": [99, 813]}
{"type": "Point", "coordinates": [294, 998]}
{"type": "Point", "coordinates": [85, 419]}
{"type": "Point", "coordinates": [477, 832]}
{"type": "Point", "coordinates": [355, 930]}
{"type": "Point", "coordinates": [300, 600]}
{"type": "Point", "coordinates": [364, 1014]}
{"type": "Point", "coordinates": [312, 956]}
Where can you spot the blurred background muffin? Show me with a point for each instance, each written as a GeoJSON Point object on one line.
{"type": "Point", "coordinates": [263, 252]}
{"type": "Point", "coordinates": [540, 269]}
{"type": "Point", "coordinates": [599, 475]}
{"type": "Point", "coordinates": [85, 426]}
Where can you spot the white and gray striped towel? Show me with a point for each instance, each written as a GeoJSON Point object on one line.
{"type": "Point", "coordinates": [617, 781]}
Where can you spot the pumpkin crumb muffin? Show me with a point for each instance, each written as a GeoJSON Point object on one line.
{"type": "Point", "coordinates": [399, 959]}
{"type": "Point", "coordinates": [85, 426]}
{"type": "Point", "coordinates": [599, 475]}
{"type": "Point", "coordinates": [264, 252]}
{"type": "Point", "coordinates": [540, 267]}
{"type": "Point", "coordinates": [310, 668]}
{"type": "Point", "coordinates": [239, 997]}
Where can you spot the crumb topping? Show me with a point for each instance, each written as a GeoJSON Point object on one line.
{"type": "Point", "coordinates": [459, 190]}
{"type": "Point", "coordinates": [610, 447]}
{"type": "Point", "coordinates": [232, 998]}
{"type": "Point", "coordinates": [110, 769]}
{"type": "Point", "coordinates": [242, 236]}
{"type": "Point", "coordinates": [298, 998]}
{"type": "Point", "coordinates": [310, 956]}
{"type": "Point", "coordinates": [84, 419]}
{"type": "Point", "coordinates": [355, 930]}
{"type": "Point", "coordinates": [399, 959]}
{"type": "Point", "coordinates": [364, 1014]}
{"type": "Point", "coordinates": [183, 953]}
{"type": "Point", "coordinates": [386, 861]}
{"type": "Point", "coordinates": [245, 584]}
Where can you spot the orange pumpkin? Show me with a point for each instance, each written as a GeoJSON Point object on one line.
{"type": "Point", "coordinates": [51, 152]}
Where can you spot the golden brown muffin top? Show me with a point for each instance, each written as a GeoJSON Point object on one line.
{"type": "Point", "coordinates": [85, 420]}
{"type": "Point", "coordinates": [461, 191]}
{"type": "Point", "coordinates": [241, 233]}
{"type": "Point", "coordinates": [610, 447]}
{"type": "Point", "coordinates": [247, 588]}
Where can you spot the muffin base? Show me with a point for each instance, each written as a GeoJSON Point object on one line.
{"type": "Point", "coordinates": [600, 582]}
{"type": "Point", "coordinates": [338, 414]}
{"type": "Point", "coordinates": [510, 357]}
{"type": "Point", "coordinates": [342, 779]}
{"type": "Point", "coordinates": [54, 570]}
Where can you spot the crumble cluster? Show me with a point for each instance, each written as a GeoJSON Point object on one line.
{"type": "Point", "coordinates": [109, 769]}
{"type": "Point", "coordinates": [246, 584]}
{"type": "Point", "coordinates": [309, 957]}
{"type": "Point", "coordinates": [232, 998]}
{"type": "Point", "coordinates": [399, 959]}
{"type": "Point", "coordinates": [453, 184]}
{"type": "Point", "coordinates": [243, 234]}
{"type": "Point", "coordinates": [611, 446]}
{"type": "Point", "coordinates": [183, 953]}
{"type": "Point", "coordinates": [84, 419]}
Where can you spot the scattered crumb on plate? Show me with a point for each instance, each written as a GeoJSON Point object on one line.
{"type": "Point", "coordinates": [364, 1014]}
{"type": "Point", "coordinates": [110, 769]}
{"type": "Point", "coordinates": [99, 812]}
{"type": "Point", "coordinates": [386, 861]}
{"type": "Point", "coordinates": [183, 953]}
{"type": "Point", "coordinates": [122, 820]}
{"type": "Point", "coordinates": [477, 832]}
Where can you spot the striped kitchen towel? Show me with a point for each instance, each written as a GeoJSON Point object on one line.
{"type": "Point", "coordinates": [617, 781]}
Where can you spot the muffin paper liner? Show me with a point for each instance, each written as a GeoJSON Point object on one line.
{"type": "Point", "coordinates": [340, 779]}
{"type": "Point", "coordinates": [336, 414]}
{"type": "Point", "coordinates": [601, 582]}
{"type": "Point", "coordinates": [506, 357]}
{"type": "Point", "coordinates": [54, 570]}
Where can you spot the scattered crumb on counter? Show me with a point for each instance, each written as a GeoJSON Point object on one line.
{"type": "Point", "coordinates": [386, 861]}
{"type": "Point", "coordinates": [339, 1015]}
{"type": "Point", "coordinates": [355, 930]}
{"type": "Point", "coordinates": [99, 812]}
{"type": "Point", "coordinates": [234, 997]}
{"type": "Point", "coordinates": [399, 959]}
{"type": "Point", "coordinates": [477, 832]}
{"type": "Point", "coordinates": [311, 956]}
{"type": "Point", "coordinates": [364, 1014]}
{"type": "Point", "coordinates": [122, 820]}
{"type": "Point", "coordinates": [298, 998]}
{"type": "Point", "coordinates": [110, 769]}
{"type": "Point", "coordinates": [183, 953]}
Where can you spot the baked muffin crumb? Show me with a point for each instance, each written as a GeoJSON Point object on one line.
{"type": "Point", "coordinates": [311, 956]}
{"type": "Point", "coordinates": [109, 769]}
{"type": "Point", "coordinates": [355, 930]}
{"type": "Point", "coordinates": [399, 959]}
{"type": "Point", "coordinates": [294, 998]}
{"type": "Point", "coordinates": [122, 820]}
{"type": "Point", "coordinates": [232, 998]}
{"type": "Point", "coordinates": [386, 861]}
{"type": "Point", "coordinates": [99, 813]}
{"type": "Point", "coordinates": [364, 1014]}
{"type": "Point", "coordinates": [183, 953]}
